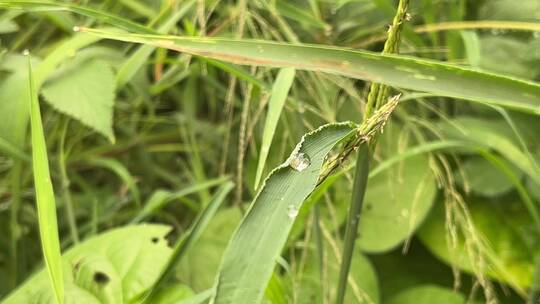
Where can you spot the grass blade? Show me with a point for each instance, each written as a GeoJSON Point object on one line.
{"type": "Point", "coordinates": [280, 90]}
{"type": "Point", "coordinates": [251, 254]}
{"type": "Point", "coordinates": [189, 238]}
{"type": "Point", "coordinates": [122, 172]}
{"type": "Point", "coordinates": [161, 198]}
{"type": "Point", "coordinates": [88, 12]}
{"type": "Point", "coordinates": [389, 69]}
{"type": "Point", "coordinates": [351, 232]}
{"type": "Point", "coordinates": [45, 201]}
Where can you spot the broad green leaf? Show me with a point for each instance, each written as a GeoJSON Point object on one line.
{"type": "Point", "coordinates": [398, 199]}
{"type": "Point", "coordinates": [507, 228]}
{"type": "Point", "coordinates": [393, 70]}
{"type": "Point", "coordinates": [84, 91]}
{"type": "Point", "coordinates": [112, 267]}
{"type": "Point", "coordinates": [45, 201]}
{"type": "Point", "coordinates": [173, 294]}
{"type": "Point", "coordinates": [495, 49]}
{"type": "Point", "coordinates": [250, 257]}
{"type": "Point", "coordinates": [484, 178]}
{"type": "Point", "coordinates": [508, 10]}
{"type": "Point", "coordinates": [495, 135]}
{"type": "Point", "coordinates": [14, 107]}
{"type": "Point", "coordinates": [280, 90]}
{"type": "Point", "coordinates": [398, 271]}
{"type": "Point", "coordinates": [427, 294]}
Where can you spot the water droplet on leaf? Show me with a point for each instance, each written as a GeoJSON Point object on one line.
{"type": "Point", "coordinates": [405, 213]}
{"type": "Point", "coordinates": [300, 162]}
{"type": "Point", "coordinates": [292, 211]}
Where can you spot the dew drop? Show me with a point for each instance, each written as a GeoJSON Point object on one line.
{"type": "Point", "coordinates": [292, 211]}
{"type": "Point", "coordinates": [260, 49]}
{"type": "Point", "coordinates": [26, 52]}
{"type": "Point", "coordinates": [405, 213]}
{"type": "Point", "coordinates": [76, 29]}
{"type": "Point", "coordinates": [300, 162]}
{"type": "Point", "coordinates": [536, 34]}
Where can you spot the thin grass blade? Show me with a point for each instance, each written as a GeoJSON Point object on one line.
{"type": "Point", "coordinates": [183, 245]}
{"type": "Point", "coordinates": [45, 201]}
{"type": "Point", "coordinates": [280, 90]}
{"type": "Point", "coordinates": [161, 198]}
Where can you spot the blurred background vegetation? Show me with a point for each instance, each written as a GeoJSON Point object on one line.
{"type": "Point", "coordinates": [148, 135]}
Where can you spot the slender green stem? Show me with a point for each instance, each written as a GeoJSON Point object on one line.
{"type": "Point", "coordinates": [377, 92]}
{"type": "Point", "coordinates": [357, 200]}
{"type": "Point", "coordinates": [376, 100]}
{"type": "Point", "coordinates": [64, 180]}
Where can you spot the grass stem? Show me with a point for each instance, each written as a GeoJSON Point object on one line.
{"type": "Point", "coordinates": [357, 200]}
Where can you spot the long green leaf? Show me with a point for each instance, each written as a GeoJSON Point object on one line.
{"type": "Point", "coordinates": [45, 201]}
{"type": "Point", "coordinates": [85, 11]}
{"type": "Point", "coordinates": [280, 90]}
{"type": "Point", "coordinates": [161, 198]}
{"type": "Point", "coordinates": [250, 257]}
{"type": "Point", "coordinates": [394, 70]}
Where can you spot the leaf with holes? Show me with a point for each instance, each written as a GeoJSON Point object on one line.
{"type": "Point", "coordinates": [113, 267]}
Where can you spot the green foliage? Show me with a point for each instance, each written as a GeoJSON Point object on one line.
{"type": "Point", "coordinates": [249, 259]}
{"type": "Point", "coordinates": [84, 91]}
{"type": "Point", "coordinates": [508, 252]}
{"type": "Point", "coordinates": [113, 267]}
{"type": "Point", "coordinates": [402, 72]}
{"type": "Point", "coordinates": [397, 201]}
{"type": "Point", "coordinates": [427, 294]}
{"type": "Point", "coordinates": [223, 90]}
{"type": "Point", "coordinates": [45, 200]}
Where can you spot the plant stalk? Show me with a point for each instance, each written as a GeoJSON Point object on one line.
{"type": "Point", "coordinates": [376, 99]}
{"type": "Point", "coordinates": [357, 201]}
